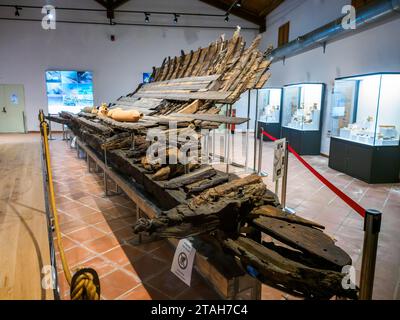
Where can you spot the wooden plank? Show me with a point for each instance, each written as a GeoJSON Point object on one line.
{"type": "Point", "coordinates": [209, 95]}
{"type": "Point", "coordinates": [187, 79]}
{"type": "Point", "coordinates": [192, 177]}
{"type": "Point", "coordinates": [288, 275]}
{"type": "Point", "coordinates": [273, 212]}
{"type": "Point", "coordinates": [95, 126]}
{"type": "Point", "coordinates": [200, 186]}
{"type": "Point", "coordinates": [306, 239]}
{"type": "Point", "coordinates": [211, 117]}
{"type": "Point", "coordinates": [141, 110]}
{"type": "Point", "coordinates": [179, 86]}
{"type": "Point", "coordinates": [24, 238]}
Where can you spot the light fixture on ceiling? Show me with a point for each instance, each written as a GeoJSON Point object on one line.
{"type": "Point", "coordinates": [227, 17]}
{"type": "Point", "coordinates": [238, 3]}
{"type": "Point", "coordinates": [147, 17]}
{"type": "Point", "coordinates": [176, 16]}
{"type": "Point", "coordinates": [17, 14]}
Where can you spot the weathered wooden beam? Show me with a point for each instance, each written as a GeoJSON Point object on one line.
{"type": "Point", "coordinates": [192, 177]}
{"type": "Point", "coordinates": [280, 272]}
{"type": "Point", "coordinates": [309, 240]}
{"type": "Point", "coordinates": [210, 117]}
{"type": "Point", "coordinates": [273, 212]}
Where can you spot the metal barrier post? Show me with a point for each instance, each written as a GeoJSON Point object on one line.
{"type": "Point", "coordinates": [246, 164]}
{"type": "Point", "coordinates": [255, 130]}
{"type": "Point", "coordinates": [284, 182]}
{"type": "Point", "coordinates": [260, 156]}
{"type": "Point", "coordinates": [372, 227]}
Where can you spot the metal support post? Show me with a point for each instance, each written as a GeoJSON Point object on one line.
{"type": "Point", "coordinates": [213, 145]}
{"type": "Point", "coordinates": [255, 131]}
{"type": "Point", "coordinates": [260, 156]}
{"type": "Point", "coordinates": [50, 132]}
{"type": "Point", "coordinates": [372, 227]}
{"type": "Point", "coordinates": [105, 172]}
{"type": "Point", "coordinates": [284, 182]}
{"type": "Point", "coordinates": [246, 164]}
{"type": "Point", "coordinates": [228, 141]}
{"type": "Point", "coordinates": [64, 132]}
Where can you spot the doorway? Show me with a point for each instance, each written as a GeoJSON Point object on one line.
{"type": "Point", "coordinates": [12, 108]}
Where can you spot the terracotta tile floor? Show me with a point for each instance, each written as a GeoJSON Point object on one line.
{"type": "Point", "coordinates": [97, 229]}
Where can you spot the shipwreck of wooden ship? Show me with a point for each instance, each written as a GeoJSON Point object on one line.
{"type": "Point", "coordinates": [228, 213]}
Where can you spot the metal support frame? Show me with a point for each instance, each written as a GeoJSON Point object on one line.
{"type": "Point", "coordinates": [255, 132]}
{"type": "Point", "coordinates": [372, 227]}
{"type": "Point", "coordinates": [284, 182]}
{"type": "Point", "coordinates": [107, 191]}
{"type": "Point", "coordinates": [260, 157]}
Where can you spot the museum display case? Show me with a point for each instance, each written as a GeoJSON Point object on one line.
{"type": "Point", "coordinates": [302, 115]}
{"type": "Point", "coordinates": [269, 111]}
{"type": "Point", "coordinates": [365, 124]}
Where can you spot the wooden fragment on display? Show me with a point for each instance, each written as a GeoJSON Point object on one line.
{"type": "Point", "coordinates": [192, 107]}
{"type": "Point", "coordinates": [95, 126]}
{"type": "Point", "coordinates": [179, 65]}
{"type": "Point", "coordinates": [306, 239]}
{"type": "Point", "coordinates": [205, 184]}
{"type": "Point", "coordinates": [192, 177]}
{"type": "Point", "coordinates": [273, 212]}
{"type": "Point", "coordinates": [193, 62]}
{"type": "Point", "coordinates": [211, 117]}
{"type": "Point", "coordinates": [280, 272]}
{"type": "Point", "coordinates": [210, 95]}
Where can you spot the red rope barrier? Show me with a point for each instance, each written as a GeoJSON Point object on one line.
{"type": "Point", "coordinates": [354, 205]}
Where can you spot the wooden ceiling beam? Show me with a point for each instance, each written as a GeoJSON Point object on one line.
{"type": "Point", "coordinates": [271, 7]}
{"type": "Point", "coordinates": [111, 5]}
{"type": "Point", "coordinates": [239, 12]}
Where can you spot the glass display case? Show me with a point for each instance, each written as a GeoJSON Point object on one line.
{"type": "Point", "coordinates": [302, 115]}
{"type": "Point", "coordinates": [366, 109]}
{"type": "Point", "coordinates": [269, 111]}
{"type": "Point", "coordinates": [365, 126]}
{"type": "Point", "coordinates": [269, 104]}
{"type": "Point", "coordinates": [302, 106]}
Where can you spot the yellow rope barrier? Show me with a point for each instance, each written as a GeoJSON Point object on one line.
{"type": "Point", "coordinates": [84, 284]}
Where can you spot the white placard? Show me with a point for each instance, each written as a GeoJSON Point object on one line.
{"type": "Point", "coordinates": [182, 265]}
{"type": "Point", "coordinates": [279, 158]}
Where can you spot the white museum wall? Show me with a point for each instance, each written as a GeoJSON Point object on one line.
{"type": "Point", "coordinates": [374, 50]}
{"type": "Point", "coordinates": [27, 51]}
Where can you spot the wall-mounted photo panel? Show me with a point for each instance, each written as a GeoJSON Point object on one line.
{"type": "Point", "coordinates": [69, 90]}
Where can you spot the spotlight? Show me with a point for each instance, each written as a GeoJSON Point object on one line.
{"type": "Point", "coordinates": [227, 17]}
{"type": "Point", "coordinates": [17, 14]}
{"type": "Point", "coordinates": [147, 17]}
{"type": "Point", "coordinates": [239, 3]}
{"type": "Point", "coordinates": [176, 16]}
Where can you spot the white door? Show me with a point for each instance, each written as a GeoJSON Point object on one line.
{"type": "Point", "coordinates": [12, 108]}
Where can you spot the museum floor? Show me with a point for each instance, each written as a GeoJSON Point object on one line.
{"type": "Point", "coordinates": [97, 230]}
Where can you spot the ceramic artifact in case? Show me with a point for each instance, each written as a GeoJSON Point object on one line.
{"type": "Point", "coordinates": [366, 109]}
{"type": "Point", "coordinates": [365, 125]}
{"type": "Point", "coordinates": [269, 111]}
{"type": "Point", "coordinates": [302, 116]}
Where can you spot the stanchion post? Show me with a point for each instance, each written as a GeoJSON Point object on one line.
{"type": "Point", "coordinates": [247, 132]}
{"type": "Point", "coordinates": [284, 181]}
{"type": "Point", "coordinates": [105, 172]}
{"type": "Point", "coordinates": [372, 227]}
